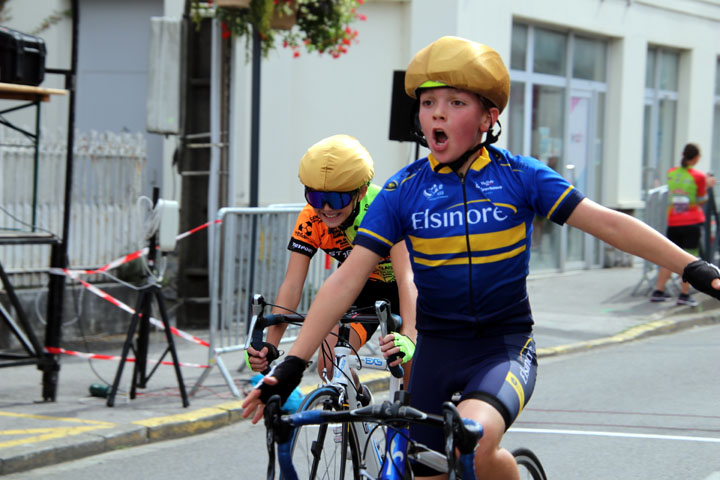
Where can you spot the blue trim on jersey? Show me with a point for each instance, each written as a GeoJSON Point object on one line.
{"type": "Point", "coordinates": [469, 239]}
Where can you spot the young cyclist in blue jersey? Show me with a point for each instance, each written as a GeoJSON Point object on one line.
{"type": "Point", "coordinates": [465, 213]}
{"type": "Point", "coordinates": [337, 172]}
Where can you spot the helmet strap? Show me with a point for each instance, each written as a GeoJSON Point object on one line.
{"type": "Point", "coordinates": [416, 130]}
{"type": "Point", "coordinates": [353, 215]}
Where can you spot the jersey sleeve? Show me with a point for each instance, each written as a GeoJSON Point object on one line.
{"type": "Point", "coordinates": [380, 228]}
{"type": "Point", "coordinates": [701, 182]}
{"type": "Point", "coordinates": [550, 194]}
{"type": "Point", "coordinates": [305, 238]}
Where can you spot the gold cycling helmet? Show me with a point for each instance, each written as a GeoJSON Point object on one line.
{"type": "Point", "coordinates": [463, 64]}
{"type": "Point", "coordinates": [336, 164]}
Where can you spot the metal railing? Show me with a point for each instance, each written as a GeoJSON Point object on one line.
{"type": "Point", "coordinates": [710, 248]}
{"type": "Point", "coordinates": [656, 208]}
{"type": "Point", "coordinates": [249, 255]}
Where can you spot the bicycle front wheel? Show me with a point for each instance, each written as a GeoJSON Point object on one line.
{"type": "Point", "coordinates": [529, 465]}
{"type": "Point", "coordinates": [328, 451]}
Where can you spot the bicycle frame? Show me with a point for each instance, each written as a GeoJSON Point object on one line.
{"type": "Point", "coordinates": [345, 361]}
{"type": "Point", "coordinates": [396, 437]}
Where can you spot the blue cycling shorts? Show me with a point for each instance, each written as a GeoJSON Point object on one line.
{"type": "Point", "coordinates": [499, 370]}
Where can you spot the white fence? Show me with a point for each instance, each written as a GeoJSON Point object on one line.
{"type": "Point", "coordinates": [108, 171]}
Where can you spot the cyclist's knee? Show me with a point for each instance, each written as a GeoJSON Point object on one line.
{"type": "Point", "coordinates": [491, 420]}
{"type": "Point", "coordinates": [498, 464]}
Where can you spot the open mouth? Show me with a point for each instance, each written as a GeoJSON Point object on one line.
{"type": "Point", "coordinates": [439, 136]}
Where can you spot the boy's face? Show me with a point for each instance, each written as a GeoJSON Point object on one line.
{"type": "Point", "coordinates": [452, 121]}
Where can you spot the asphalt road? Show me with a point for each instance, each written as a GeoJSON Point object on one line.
{"type": "Point", "coordinates": [642, 410]}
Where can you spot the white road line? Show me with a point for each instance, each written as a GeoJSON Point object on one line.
{"type": "Point", "coordinates": [617, 434]}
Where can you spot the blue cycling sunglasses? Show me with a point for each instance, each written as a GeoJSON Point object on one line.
{"type": "Point", "coordinates": [336, 200]}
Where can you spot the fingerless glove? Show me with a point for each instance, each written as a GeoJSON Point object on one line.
{"type": "Point", "coordinates": [406, 346]}
{"type": "Point", "coordinates": [288, 374]}
{"type": "Point", "coordinates": [700, 274]}
{"type": "Point", "coordinates": [272, 354]}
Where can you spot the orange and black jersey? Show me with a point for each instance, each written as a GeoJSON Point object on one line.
{"type": "Point", "coordinates": [311, 234]}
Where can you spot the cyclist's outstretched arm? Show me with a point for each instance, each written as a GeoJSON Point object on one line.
{"type": "Point", "coordinates": [288, 296]}
{"type": "Point", "coordinates": [332, 301]}
{"type": "Point", "coordinates": [631, 235]}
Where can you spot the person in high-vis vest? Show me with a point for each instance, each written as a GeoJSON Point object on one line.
{"type": "Point", "coordinates": [687, 189]}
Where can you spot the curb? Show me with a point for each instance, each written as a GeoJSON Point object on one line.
{"type": "Point", "coordinates": [115, 436]}
{"type": "Point", "coordinates": [649, 329]}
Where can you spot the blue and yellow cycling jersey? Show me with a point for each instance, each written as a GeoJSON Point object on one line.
{"type": "Point", "coordinates": [468, 237]}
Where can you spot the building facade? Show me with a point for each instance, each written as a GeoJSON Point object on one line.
{"type": "Point", "coordinates": [607, 92]}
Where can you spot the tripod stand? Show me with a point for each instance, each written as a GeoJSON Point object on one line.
{"type": "Point", "coordinates": [141, 319]}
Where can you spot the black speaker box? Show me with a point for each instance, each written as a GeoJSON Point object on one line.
{"type": "Point", "coordinates": [402, 115]}
{"type": "Point", "coordinates": [22, 57]}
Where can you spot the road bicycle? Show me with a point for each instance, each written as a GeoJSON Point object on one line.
{"type": "Point", "coordinates": [459, 433]}
{"type": "Point", "coordinates": [336, 435]}
{"type": "Point", "coordinates": [333, 451]}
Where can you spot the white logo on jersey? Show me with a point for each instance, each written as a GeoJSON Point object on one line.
{"type": "Point", "coordinates": [487, 185]}
{"type": "Point", "coordinates": [425, 219]}
{"type": "Point", "coordinates": [434, 192]}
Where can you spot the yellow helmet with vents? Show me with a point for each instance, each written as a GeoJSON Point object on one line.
{"type": "Point", "coordinates": [462, 64]}
{"type": "Point", "coordinates": [336, 164]}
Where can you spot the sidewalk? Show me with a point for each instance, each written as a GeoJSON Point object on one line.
{"type": "Point", "coordinates": [573, 312]}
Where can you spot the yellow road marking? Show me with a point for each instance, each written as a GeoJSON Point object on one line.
{"type": "Point", "coordinates": [48, 433]}
{"type": "Point", "coordinates": [193, 416]}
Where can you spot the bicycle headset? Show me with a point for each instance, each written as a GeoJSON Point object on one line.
{"type": "Point", "coordinates": [463, 64]}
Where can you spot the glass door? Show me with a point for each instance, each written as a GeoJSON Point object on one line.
{"type": "Point", "coordinates": [577, 168]}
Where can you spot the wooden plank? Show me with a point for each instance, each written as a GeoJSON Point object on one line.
{"type": "Point", "coordinates": [14, 91]}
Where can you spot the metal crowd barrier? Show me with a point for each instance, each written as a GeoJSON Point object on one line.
{"type": "Point", "coordinates": [250, 255]}
{"type": "Point", "coordinates": [656, 211]}
{"type": "Point", "coordinates": [710, 247]}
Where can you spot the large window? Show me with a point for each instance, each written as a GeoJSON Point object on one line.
{"type": "Point", "coordinates": [661, 94]}
{"type": "Point", "coordinates": [715, 159]}
{"type": "Point", "coordinates": [556, 114]}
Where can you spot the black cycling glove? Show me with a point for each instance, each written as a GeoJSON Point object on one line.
{"type": "Point", "coordinates": [272, 354]}
{"type": "Point", "coordinates": [700, 274]}
{"type": "Point", "coordinates": [288, 373]}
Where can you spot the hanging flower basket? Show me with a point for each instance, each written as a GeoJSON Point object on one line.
{"type": "Point", "coordinates": [321, 26]}
{"type": "Point", "coordinates": [283, 20]}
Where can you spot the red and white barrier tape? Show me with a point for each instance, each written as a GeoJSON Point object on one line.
{"type": "Point", "coordinates": [106, 296]}
{"type": "Point", "coordinates": [114, 264]}
{"type": "Point", "coordinates": [125, 259]}
{"type": "Point", "coordinates": [97, 356]}
{"type": "Point", "coordinates": [132, 256]}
